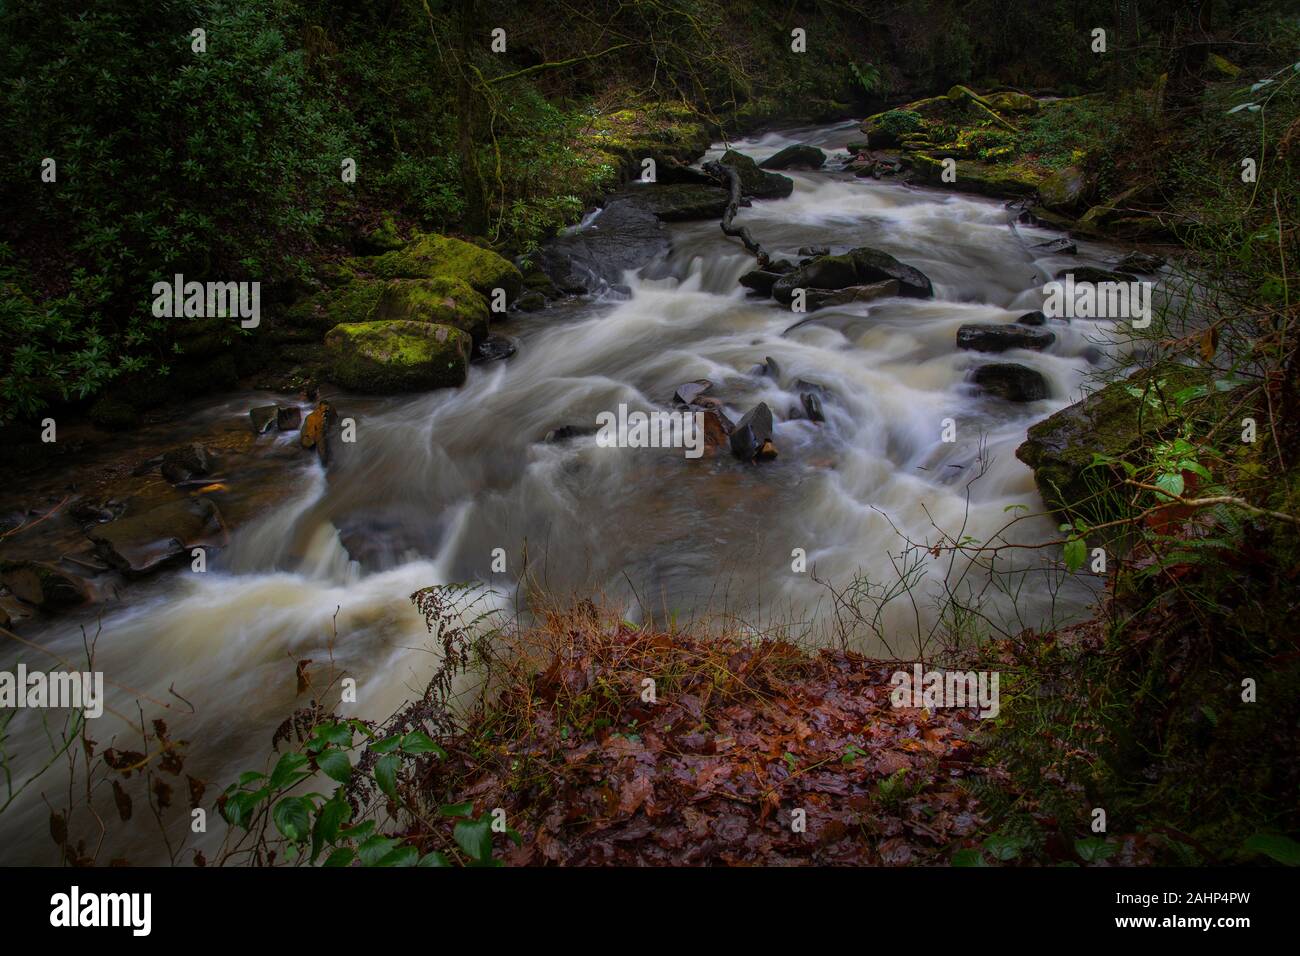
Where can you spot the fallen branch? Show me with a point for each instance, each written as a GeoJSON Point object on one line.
{"type": "Point", "coordinates": [720, 172]}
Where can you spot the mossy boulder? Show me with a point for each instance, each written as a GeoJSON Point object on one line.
{"type": "Point", "coordinates": [442, 300]}
{"type": "Point", "coordinates": [886, 130]}
{"type": "Point", "coordinates": [429, 257]}
{"type": "Point", "coordinates": [756, 182]}
{"type": "Point", "coordinates": [1065, 189]}
{"type": "Point", "coordinates": [1111, 422]}
{"type": "Point", "coordinates": [1002, 180]}
{"type": "Point", "coordinates": [351, 302]}
{"type": "Point", "coordinates": [1010, 102]}
{"type": "Point", "coordinates": [398, 356]}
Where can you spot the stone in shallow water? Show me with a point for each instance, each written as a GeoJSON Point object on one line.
{"type": "Point", "coordinates": [495, 348]}
{"type": "Point", "coordinates": [752, 432]}
{"type": "Point", "coordinates": [140, 543]}
{"type": "Point", "coordinates": [262, 417]}
{"type": "Point", "coordinates": [1057, 247]}
{"type": "Point", "coordinates": [687, 394]}
{"type": "Point", "coordinates": [999, 338]}
{"type": "Point", "coordinates": [1009, 380]}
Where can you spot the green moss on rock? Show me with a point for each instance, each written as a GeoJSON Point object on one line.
{"type": "Point", "coordinates": [429, 257]}
{"type": "Point", "coordinates": [442, 300]}
{"type": "Point", "coordinates": [397, 356]}
{"type": "Point", "coordinates": [987, 179]}
{"type": "Point", "coordinates": [348, 303]}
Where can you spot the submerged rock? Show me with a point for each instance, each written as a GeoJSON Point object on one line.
{"type": "Point", "coordinates": [1141, 262]}
{"type": "Point", "coordinates": [494, 348]}
{"type": "Point", "coordinates": [822, 298]}
{"type": "Point", "coordinates": [186, 462]}
{"type": "Point", "coordinates": [141, 543]}
{"type": "Point", "coordinates": [799, 156]}
{"type": "Point", "coordinates": [1009, 380]}
{"type": "Point", "coordinates": [1094, 274]}
{"type": "Point", "coordinates": [998, 338]}
{"type": "Point", "coordinates": [756, 182]}
{"type": "Point", "coordinates": [688, 393]}
{"type": "Point", "coordinates": [752, 433]}
{"type": "Point", "coordinates": [262, 417]}
{"type": "Point", "coordinates": [398, 356]}
{"type": "Point", "coordinates": [288, 418]}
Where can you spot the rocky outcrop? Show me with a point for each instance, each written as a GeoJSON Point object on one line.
{"type": "Point", "coordinates": [681, 202]}
{"type": "Point", "coordinates": [626, 235]}
{"type": "Point", "coordinates": [398, 356]}
{"type": "Point", "coordinates": [752, 436]}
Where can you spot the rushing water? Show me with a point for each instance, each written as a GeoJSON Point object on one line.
{"type": "Point", "coordinates": [436, 482]}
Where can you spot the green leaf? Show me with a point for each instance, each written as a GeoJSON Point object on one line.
{"type": "Point", "coordinates": [968, 857]}
{"type": "Point", "coordinates": [386, 774]}
{"type": "Point", "coordinates": [375, 849]}
{"type": "Point", "coordinates": [403, 856]}
{"type": "Point", "coordinates": [292, 817]}
{"type": "Point", "coordinates": [1276, 847]}
{"type": "Point", "coordinates": [433, 859]}
{"type": "Point", "coordinates": [330, 819]}
{"type": "Point", "coordinates": [420, 743]}
{"type": "Point", "coordinates": [341, 857]}
{"type": "Point", "coordinates": [387, 745]}
{"type": "Point", "coordinates": [1171, 483]}
{"type": "Point", "coordinates": [335, 764]}
{"type": "Point", "coordinates": [249, 777]}
{"type": "Point", "coordinates": [1004, 846]}
{"type": "Point", "coordinates": [456, 809]}
{"type": "Point", "coordinates": [285, 769]}
{"type": "Point", "coordinates": [1093, 849]}
{"type": "Point", "coordinates": [475, 838]}
{"type": "Point", "coordinates": [1076, 554]}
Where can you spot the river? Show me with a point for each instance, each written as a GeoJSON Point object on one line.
{"type": "Point", "coordinates": [435, 482]}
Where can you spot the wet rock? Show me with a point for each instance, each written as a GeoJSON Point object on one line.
{"type": "Point", "coordinates": [43, 585]}
{"type": "Point", "coordinates": [861, 266]}
{"type": "Point", "coordinates": [752, 432]}
{"type": "Point", "coordinates": [814, 251]}
{"type": "Point", "coordinates": [494, 348]}
{"type": "Point", "coordinates": [688, 393]}
{"type": "Point", "coordinates": [756, 182]}
{"type": "Point", "coordinates": [1141, 262]}
{"type": "Point", "coordinates": [767, 452]}
{"type": "Point", "coordinates": [998, 338]}
{"type": "Point", "coordinates": [624, 236]}
{"type": "Point", "coordinates": [823, 298]}
{"type": "Point", "coordinates": [769, 368]}
{"type": "Point", "coordinates": [679, 202]}
{"type": "Point", "coordinates": [1095, 274]}
{"type": "Point", "coordinates": [760, 280]}
{"type": "Point", "coordinates": [799, 156]}
{"type": "Point", "coordinates": [262, 417]}
{"type": "Point", "coordinates": [1032, 318]}
{"type": "Point", "coordinates": [1013, 382]}
{"type": "Point", "coordinates": [141, 543]}
{"type": "Point", "coordinates": [531, 302]}
{"type": "Point", "coordinates": [1010, 101]}
{"type": "Point", "coordinates": [812, 406]}
{"type": "Point", "coordinates": [1065, 189]}
{"type": "Point", "coordinates": [288, 418]}
{"type": "Point", "coordinates": [1057, 247]}
{"type": "Point", "coordinates": [398, 356]}
{"type": "Point", "coordinates": [430, 257]}
{"type": "Point", "coordinates": [318, 430]}
{"type": "Point", "coordinates": [717, 430]}
{"type": "Point", "coordinates": [186, 462]}
{"type": "Point", "coordinates": [86, 512]}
